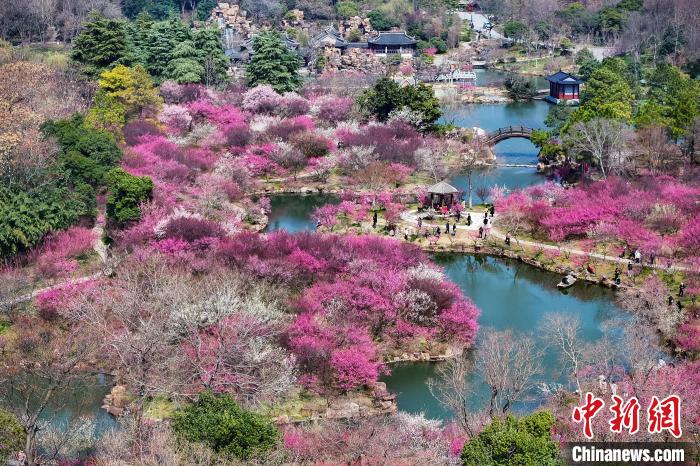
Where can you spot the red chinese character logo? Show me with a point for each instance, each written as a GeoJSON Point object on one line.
{"type": "Point", "coordinates": [665, 415]}
{"type": "Point", "coordinates": [587, 412]}
{"type": "Point", "coordinates": [626, 416]}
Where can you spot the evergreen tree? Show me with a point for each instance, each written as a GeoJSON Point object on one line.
{"type": "Point", "coordinates": [387, 96]}
{"type": "Point", "coordinates": [674, 100]}
{"type": "Point", "coordinates": [211, 55]}
{"type": "Point", "coordinates": [273, 63]}
{"type": "Point", "coordinates": [218, 421]}
{"type": "Point", "coordinates": [101, 44]}
{"type": "Point", "coordinates": [123, 94]}
{"type": "Point", "coordinates": [138, 32]}
{"type": "Point", "coordinates": [523, 442]}
{"type": "Point", "coordinates": [184, 68]}
{"type": "Point", "coordinates": [161, 43]}
{"type": "Point", "coordinates": [126, 193]}
{"type": "Point", "coordinates": [608, 94]}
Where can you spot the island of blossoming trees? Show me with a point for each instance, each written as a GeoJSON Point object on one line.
{"type": "Point", "coordinates": [132, 242]}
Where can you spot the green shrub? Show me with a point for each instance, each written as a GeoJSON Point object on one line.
{"type": "Point", "coordinates": [12, 436]}
{"type": "Point", "coordinates": [218, 421]}
{"type": "Point", "coordinates": [126, 193]}
{"type": "Point", "coordinates": [525, 441]}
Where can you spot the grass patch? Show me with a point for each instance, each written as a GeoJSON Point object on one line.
{"type": "Point", "coordinates": [160, 408]}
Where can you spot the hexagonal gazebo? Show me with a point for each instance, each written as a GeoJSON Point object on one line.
{"type": "Point", "coordinates": [444, 193]}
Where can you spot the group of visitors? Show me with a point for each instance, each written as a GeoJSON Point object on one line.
{"type": "Point", "coordinates": [636, 256]}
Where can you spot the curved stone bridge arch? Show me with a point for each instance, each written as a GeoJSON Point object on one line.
{"type": "Point", "coordinates": [501, 134]}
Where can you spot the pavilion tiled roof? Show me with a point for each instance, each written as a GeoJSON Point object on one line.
{"type": "Point", "coordinates": [392, 38]}
{"type": "Point", "coordinates": [561, 77]}
{"type": "Point", "coordinates": [442, 188]}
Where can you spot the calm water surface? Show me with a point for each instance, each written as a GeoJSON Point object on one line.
{"type": "Point", "coordinates": [512, 296]}
{"type": "Point", "coordinates": [83, 399]}
{"type": "Point", "coordinates": [514, 151]}
{"type": "Point", "coordinates": [292, 212]}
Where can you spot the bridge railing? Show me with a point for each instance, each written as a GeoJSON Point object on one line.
{"type": "Point", "coordinates": [509, 130]}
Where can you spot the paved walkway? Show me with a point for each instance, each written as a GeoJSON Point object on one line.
{"type": "Point", "coordinates": [477, 221]}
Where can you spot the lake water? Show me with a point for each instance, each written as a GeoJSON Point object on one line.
{"type": "Point", "coordinates": [82, 399]}
{"type": "Point", "coordinates": [514, 296]}
{"type": "Point", "coordinates": [292, 212]}
{"type": "Point", "coordinates": [513, 151]}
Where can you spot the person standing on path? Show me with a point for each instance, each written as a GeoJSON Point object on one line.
{"type": "Point", "coordinates": [374, 220]}
{"type": "Point", "coordinates": [469, 220]}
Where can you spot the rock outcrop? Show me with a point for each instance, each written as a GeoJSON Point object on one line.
{"type": "Point", "coordinates": [353, 59]}
{"type": "Point", "coordinates": [228, 16]}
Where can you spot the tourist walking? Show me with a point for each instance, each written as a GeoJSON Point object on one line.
{"type": "Point", "coordinates": [681, 290]}
{"type": "Point", "coordinates": [469, 219]}
{"type": "Point", "coordinates": [420, 222]}
{"type": "Point", "coordinates": [447, 226]}
{"type": "Point", "coordinates": [459, 215]}
{"type": "Point", "coordinates": [492, 210]}
{"type": "Point", "coordinates": [637, 256]}
{"type": "Point", "coordinates": [508, 240]}
{"type": "Point", "coordinates": [486, 221]}
{"type": "Point", "coordinates": [624, 251]}
{"type": "Point", "coordinates": [374, 220]}
{"type": "Point", "coordinates": [629, 268]}
{"type": "Point", "coordinates": [454, 229]}
{"type": "Point", "coordinates": [481, 232]}
{"type": "Point", "coordinates": [617, 275]}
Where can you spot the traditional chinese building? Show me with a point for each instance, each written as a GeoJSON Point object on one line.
{"type": "Point", "coordinates": [329, 36]}
{"type": "Point", "coordinates": [388, 43]}
{"type": "Point", "coordinates": [563, 87]}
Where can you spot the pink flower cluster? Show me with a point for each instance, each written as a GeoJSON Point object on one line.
{"type": "Point", "coordinates": [56, 256]}
{"type": "Point", "coordinates": [355, 290]}
{"type": "Point", "coordinates": [658, 214]}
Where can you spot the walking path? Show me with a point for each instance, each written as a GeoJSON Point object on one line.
{"type": "Point", "coordinates": [477, 221]}
{"type": "Point", "coordinates": [98, 246]}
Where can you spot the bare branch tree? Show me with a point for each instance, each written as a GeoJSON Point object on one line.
{"type": "Point", "coordinates": [509, 365]}
{"type": "Point", "coordinates": [562, 333]}
{"type": "Point", "coordinates": [601, 140]}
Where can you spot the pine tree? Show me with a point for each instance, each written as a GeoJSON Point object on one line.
{"type": "Point", "coordinates": [138, 32]}
{"type": "Point", "coordinates": [273, 63]}
{"type": "Point", "coordinates": [101, 44]}
{"type": "Point", "coordinates": [185, 68]}
{"type": "Point", "coordinates": [211, 55]}
{"type": "Point", "coordinates": [160, 46]}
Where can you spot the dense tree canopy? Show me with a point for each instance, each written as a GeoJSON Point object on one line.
{"type": "Point", "coordinates": [387, 96]}
{"type": "Point", "coordinates": [11, 435]}
{"type": "Point", "coordinates": [607, 94]}
{"type": "Point", "coordinates": [123, 93]}
{"type": "Point", "coordinates": [514, 441]}
{"type": "Point", "coordinates": [220, 423]}
{"type": "Point", "coordinates": [167, 49]}
{"type": "Point", "coordinates": [101, 44]}
{"type": "Point", "coordinates": [126, 193]}
{"type": "Point", "coordinates": [273, 63]}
